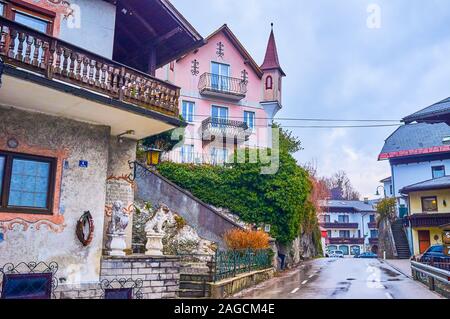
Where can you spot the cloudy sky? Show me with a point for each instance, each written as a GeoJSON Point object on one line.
{"type": "Point", "coordinates": [338, 67]}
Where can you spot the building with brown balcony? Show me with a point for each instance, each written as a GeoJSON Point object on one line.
{"type": "Point", "coordinates": [350, 226]}
{"type": "Point", "coordinates": [428, 212]}
{"type": "Point", "coordinates": [78, 92]}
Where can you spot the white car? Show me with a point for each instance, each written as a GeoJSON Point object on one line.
{"type": "Point", "coordinates": [336, 254]}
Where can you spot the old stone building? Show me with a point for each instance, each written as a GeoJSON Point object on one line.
{"type": "Point", "coordinates": [77, 94]}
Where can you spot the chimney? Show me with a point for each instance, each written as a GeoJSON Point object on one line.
{"type": "Point", "coordinates": [366, 200]}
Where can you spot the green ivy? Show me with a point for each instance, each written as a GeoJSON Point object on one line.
{"type": "Point", "coordinates": [280, 200]}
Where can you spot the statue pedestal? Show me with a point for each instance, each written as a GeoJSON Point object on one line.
{"type": "Point", "coordinates": [116, 244]}
{"type": "Point", "coordinates": [154, 246]}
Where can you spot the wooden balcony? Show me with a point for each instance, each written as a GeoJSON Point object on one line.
{"type": "Point", "coordinates": [223, 129]}
{"type": "Point", "coordinates": [429, 220]}
{"type": "Point", "coordinates": [224, 87]}
{"type": "Point", "coordinates": [346, 241]}
{"type": "Point", "coordinates": [56, 60]}
{"type": "Point", "coordinates": [372, 225]}
{"type": "Point", "coordinates": [339, 225]}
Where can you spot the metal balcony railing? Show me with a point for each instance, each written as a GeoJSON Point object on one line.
{"type": "Point", "coordinates": [223, 128]}
{"type": "Point", "coordinates": [38, 52]}
{"type": "Point", "coordinates": [219, 85]}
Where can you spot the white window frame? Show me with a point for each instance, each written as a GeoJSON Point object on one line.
{"type": "Point", "coordinates": [246, 120]}
{"type": "Point", "coordinates": [188, 103]}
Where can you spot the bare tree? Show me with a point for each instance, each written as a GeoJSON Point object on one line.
{"type": "Point", "coordinates": [341, 187]}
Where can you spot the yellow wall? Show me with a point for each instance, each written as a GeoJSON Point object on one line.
{"type": "Point", "coordinates": [415, 199]}
{"type": "Point", "coordinates": [433, 232]}
{"type": "Point", "coordinates": [415, 204]}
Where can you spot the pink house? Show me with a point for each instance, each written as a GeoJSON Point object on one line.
{"type": "Point", "coordinates": [227, 99]}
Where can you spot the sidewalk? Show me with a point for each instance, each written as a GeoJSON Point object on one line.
{"type": "Point", "coordinates": [401, 265]}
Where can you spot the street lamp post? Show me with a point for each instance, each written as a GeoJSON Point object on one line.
{"type": "Point", "coordinates": [377, 193]}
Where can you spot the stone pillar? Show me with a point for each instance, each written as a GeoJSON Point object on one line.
{"type": "Point", "coordinates": [119, 187]}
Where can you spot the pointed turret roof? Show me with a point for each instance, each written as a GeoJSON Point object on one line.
{"type": "Point", "coordinates": [271, 60]}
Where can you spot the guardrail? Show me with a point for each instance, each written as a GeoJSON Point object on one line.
{"type": "Point", "coordinates": [436, 279]}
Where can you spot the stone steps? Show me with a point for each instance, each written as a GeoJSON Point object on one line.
{"type": "Point", "coordinates": [400, 239]}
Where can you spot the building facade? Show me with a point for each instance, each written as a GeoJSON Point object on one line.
{"type": "Point", "coordinates": [417, 151]}
{"type": "Point", "coordinates": [227, 99]}
{"type": "Point", "coordinates": [350, 226]}
{"type": "Point", "coordinates": [77, 94]}
{"type": "Point", "coordinates": [428, 212]}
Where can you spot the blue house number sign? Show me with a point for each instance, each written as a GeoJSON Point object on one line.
{"type": "Point", "coordinates": [83, 164]}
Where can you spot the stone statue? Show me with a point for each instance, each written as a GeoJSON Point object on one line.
{"type": "Point", "coordinates": [154, 231]}
{"type": "Point", "coordinates": [119, 219]}
{"type": "Point", "coordinates": [155, 224]}
{"type": "Point", "coordinates": [115, 243]}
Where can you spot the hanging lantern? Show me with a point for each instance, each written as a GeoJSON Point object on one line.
{"type": "Point", "coordinates": [153, 156]}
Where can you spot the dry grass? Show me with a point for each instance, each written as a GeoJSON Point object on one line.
{"type": "Point", "coordinates": [244, 239]}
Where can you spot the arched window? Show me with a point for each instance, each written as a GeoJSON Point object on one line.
{"type": "Point", "coordinates": [269, 83]}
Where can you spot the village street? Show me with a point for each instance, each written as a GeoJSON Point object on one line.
{"type": "Point", "coordinates": [345, 278]}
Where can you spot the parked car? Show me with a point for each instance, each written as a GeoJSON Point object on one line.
{"type": "Point", "coordinates": [434, 253]}
{"type": "Point", "coordinates": [366, 255]}
{"type": "Point", "coordinates": [337, 254]}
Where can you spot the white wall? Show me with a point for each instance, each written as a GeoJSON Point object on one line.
{"type": "Point", "coordinates": [387, 189]}
{"type": "Point", "coordinates": [408, 174]}
{"type": "Point", "coordinates": [94, 31]}
{"type": "Point", "coordinates": [362, 219]}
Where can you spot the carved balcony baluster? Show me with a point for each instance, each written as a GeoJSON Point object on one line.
{"type": "Point", "coordinates": [26, 48]}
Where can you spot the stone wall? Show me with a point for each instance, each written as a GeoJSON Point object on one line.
{"type": "Point", "coordinates": [386, 242]}
{"type": "Point", "coordinates": [119, 186]}
{"type": "Point", "coordinates": [37, 237]}
{"type": "Point", "coordinates": [208, 222]}
{"type": "Point", "coordinates": [160, 274]}
{"type": "Point", "coordinates": [231, 286]}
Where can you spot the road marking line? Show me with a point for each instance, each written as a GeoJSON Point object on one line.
{"type": "Point", "coordinates": [304, 282]}
{"type": "Point", "coordinates": [310, 276]}
{"type": "Point", "coordinates": [389, 296]}
{"type": "Point", "coordinates": [295, 290]}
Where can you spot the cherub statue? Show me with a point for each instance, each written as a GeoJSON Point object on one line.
{"type": "Point", "coordinates": [119, 219]}
{"type": "Point", "coordinates": [155, 224]}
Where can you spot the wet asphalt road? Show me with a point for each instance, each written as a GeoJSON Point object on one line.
{"type": "Point", "coordinates": [345, 278]}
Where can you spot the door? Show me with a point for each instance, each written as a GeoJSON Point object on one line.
{"type": "Point", "coordinates": [220, 76]}
{"type": "Point", "coordinates": [424, 240]}
{"type": "Point", "coordinates": [219, 116]}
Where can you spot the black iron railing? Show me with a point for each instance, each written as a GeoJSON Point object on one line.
{"type": "Point", "coordinates": [222, 84]}
{"type": "Point", "coordinates": [213, 122]}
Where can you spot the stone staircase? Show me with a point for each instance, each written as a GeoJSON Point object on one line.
{"type": "Point", "coordinates": [194, 286]}
{"type": "Point", "coordinates": [195, 277]}
{"type": "Point", "coordinates": [401, 241]}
